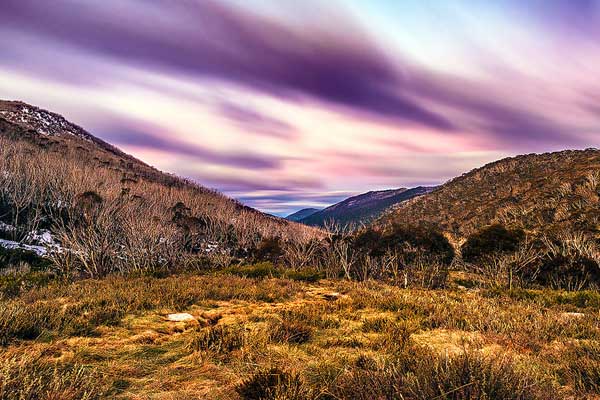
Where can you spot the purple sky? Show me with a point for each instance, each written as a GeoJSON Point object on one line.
{"type": "Point", "coordinates": [286, 106]}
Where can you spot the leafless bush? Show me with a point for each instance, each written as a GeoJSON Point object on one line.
{"type": "Point", "coordinates": [571, 261]}
{"type": "Point", "coordinates": [108, 221]}
{"type": "Point", "coordinates": [298, 254]}
{"type": "Point", "coordinates": [520, 268]}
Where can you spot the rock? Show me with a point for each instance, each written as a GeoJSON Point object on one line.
{"type": "Point", "coordinates": [211, 318]}
{"type": "Point", "coordinates": [180, 317]}
{"type": "Point", "coordinates": [569, 315]}
{"type": "Point", "coordinates": [332, 296]}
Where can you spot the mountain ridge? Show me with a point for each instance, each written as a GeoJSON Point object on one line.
{"type": "Point", "coordinates": [363, 208]}
{"type": "Point", "coordinates": [301, 214]}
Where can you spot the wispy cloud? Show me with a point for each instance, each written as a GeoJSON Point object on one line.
{"type": "Point", "coordinates": [285, 98]}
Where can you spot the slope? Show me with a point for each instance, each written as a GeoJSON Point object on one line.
{"type": "Point", "coordinates": [535, 192]}
{"type": "Point", "coordinates": [363, 208]}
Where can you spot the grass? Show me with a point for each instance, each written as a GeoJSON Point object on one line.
{"type": "Point", "coordinates": [272, 338]}
{"type": "Point", "coordinates": [268, 270]}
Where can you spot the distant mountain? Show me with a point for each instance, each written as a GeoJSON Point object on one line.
{"type": "Point", "coordinates": [304, 213]}
{"type": "Point", "coordinates": [535, 192]}
{"type": "Point", "coordinates": [363, 208]}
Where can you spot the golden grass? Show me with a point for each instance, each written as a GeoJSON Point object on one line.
{"type": "Point", "coordinates": [283, 339]}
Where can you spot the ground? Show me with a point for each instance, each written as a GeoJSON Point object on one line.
{"type": "Point", "coordinates": [112, 338]}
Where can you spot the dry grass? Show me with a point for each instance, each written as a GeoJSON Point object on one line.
{"type": "Point", "coordinates": [280, 339]}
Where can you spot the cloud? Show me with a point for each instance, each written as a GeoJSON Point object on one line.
{"type": "Point", "coordinates": [213, 40]}
{"type": "Point", "coordinates": [357, 113]}
{"type": "Point", "coordinates": [252, 184]}
{"type": "Point", "coordinates": [254, 121]}
{"type": "Point", "coordinates": [126, 135]}
{"type": "Point", "coordinates": [482, 113]}
{"type": "Point", "coordinates": [287, 202]}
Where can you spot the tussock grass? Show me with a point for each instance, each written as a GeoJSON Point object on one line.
{"type": "Point", "coordinates": [79, 308]}
{"type": "Point", "coordinates": [274, 338]}
{"type": "Point", "coordinates": [29, 376]}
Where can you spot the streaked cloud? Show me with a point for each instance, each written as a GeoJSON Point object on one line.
{"type": "Point", "coordinates": [288, 104]}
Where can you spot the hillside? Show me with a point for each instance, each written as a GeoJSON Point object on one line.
{"type": "Point", "coordinates": [301, 214]}
{"type": "Point", "coordinates": [60, 181]}
{"type": "Point", "coordinates": [535, 192]}
{"type": "Point", "coordinates": [363, 208]}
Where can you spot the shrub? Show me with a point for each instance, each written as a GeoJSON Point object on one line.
{"type": "Point", "coordinates": [428, 242]}
{"type": "Point", "coordinates": [269, 249]}
{"type": "Point", "coordinates": [304, 274]}
{"type": "Point", "coordinates": [581, 366]}
{"type": "Point", "coordinates": [570, 273]}
{"type": "Point", "coordinates": [261, 270]}
{"type": "Point", "coordinates": [410, 242]}
{"type": "Point", "coordinates": [377, 324]}
{"type": "Point", "coordinates": [18, 257]}
{"type": "Point", "coordinates": [24, 321]}
{"type": "Point", "coordinates": [494, 239]}
{"type": "Point", "coordinates": [220, 339]}
{"type": "Point", "coordinates": [290, 332]}
{"type": "Point", "coordinates": [13, 284]}
{"type": "Point", "coordinates": [417, 373]}
{"type": "Point", "coordinates": [272, 384]}
{"type": "Point", "coordinates": [566, 260]}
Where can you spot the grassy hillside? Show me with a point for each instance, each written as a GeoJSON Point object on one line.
{"type": "Point", "coordinates": [535, 192]}
{"type": "Point", "coordinates": [114, 213]}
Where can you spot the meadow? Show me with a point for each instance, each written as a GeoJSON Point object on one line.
{"type": "Point", "coordinates": [297, 337]}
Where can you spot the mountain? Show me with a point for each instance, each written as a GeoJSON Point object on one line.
{"type": "Point", "coordinates": [363, 208]}
{"type": "Point", "coordinates": [534, 192]}
{"type": "Point", "coordinates": [61, 182]}
{"type": "Point", "coordinates": [301, 214]}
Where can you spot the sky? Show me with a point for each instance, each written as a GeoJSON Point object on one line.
{"type": "Point", "coordinates": [287, 104]}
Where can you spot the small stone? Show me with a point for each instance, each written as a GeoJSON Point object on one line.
{"type": "Point", "coordinates": [572, 315]}
{"type": "Point", "coordinates": [180, 317]}
{"type": "Point", "coordinates": [332, 296]}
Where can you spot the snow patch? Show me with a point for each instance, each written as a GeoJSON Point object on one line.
{"type": "Point", "coordinates": [9, 244]}
{"type": "Point", "coordinates": [42, 237]}
{"type": "Point", "coordinates": [6, 227]}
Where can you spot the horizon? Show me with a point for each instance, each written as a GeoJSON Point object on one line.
{"type": "Point", "coordinates": [270, 104]}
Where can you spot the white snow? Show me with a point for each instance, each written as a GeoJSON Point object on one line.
{"type": "Point", "coordinates": [9, 244]}
{"type": "Point", "coordinates": [6, 227]}
{"type": "Point", "coordinates": [40, 242]}
{"type": "Point", "coordinates": [44, 122]}
{"type": "Point", "coordinates": [42, 237]}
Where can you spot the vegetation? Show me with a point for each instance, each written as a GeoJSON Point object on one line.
{"type": "Point", "coordinates": [268, 338]}
{"type": "Point", "coordinates": [118, 217]}
{"type": "Point", "coordinates": [491, 241]}
{"type": "Point", "coordinates": [538, 193]}
{"type": "Point", "coordinates": [441, 300]}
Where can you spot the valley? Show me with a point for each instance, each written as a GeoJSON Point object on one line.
{"type": "Point", "coordinates": [120, 281]}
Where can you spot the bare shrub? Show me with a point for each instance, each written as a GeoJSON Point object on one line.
{"type": "Point", "coordinates": [299, 254]}
{"type": "Point", "coordinates": [108, 219]}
